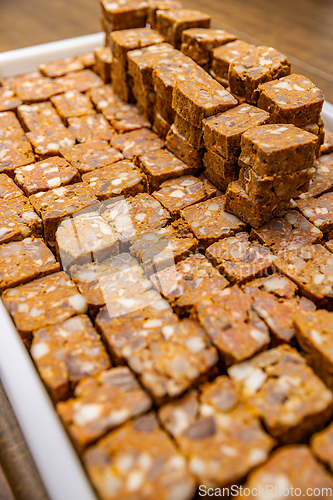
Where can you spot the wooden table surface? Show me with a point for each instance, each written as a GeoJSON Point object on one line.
{"type": "Point", "coordinates": [302, 29]}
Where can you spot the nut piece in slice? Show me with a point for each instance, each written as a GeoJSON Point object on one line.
{"type": "Point", "coordinates": [8, 188]}
{"type": "Point", "coordinates": [169, 356]}
{"type": "Point", "coordinates": [90, 155]}
{"type": "Point", "coordinates": [314, 332]}
{"type": "Point", "coordinates": [162, 248]}
{"type": "Point", "coordinates": [327, 146]}
{"type": "Point", "coordinates": [60, 67]}
{"type": "Point", "coordinates": [72, 103]}
{"type": "Point", "coordinates": [288, 232]}
{"type": "Point", "coordinates": [137, 142]}
{"type": "Point", "coordinates": [102, 283]}
{"type": "Point", "coordinates": [276, 304]}
{"type": "Point", "coordinates": [79, 81]}
{"type": "Point", "coordinates": [131, 217]}
{"type": "Point", "coordinates": [55, 205]}
{"type": "Point", "coordinates": [319, 211]}
{"type": "Point", "coordinates": [322, 180]}
{"type": "Point", "coordinates": [18, 219]}
{"type": "Point", "coordinates": [38, 116]}
{"type": "Point", "coordinates": [161, 165]}
{"type": "Point", "coordinates": [91, 127]}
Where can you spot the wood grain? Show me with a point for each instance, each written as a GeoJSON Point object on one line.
{"type": "Point", "coordinates": [302, 29]}
{"type": "Point", "coordinates": [15, 458]}
{"type": "Point", "coordinates": [5, 493]}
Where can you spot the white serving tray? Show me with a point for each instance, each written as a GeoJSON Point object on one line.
{"type": "Point", "coordinates": [58, 464]}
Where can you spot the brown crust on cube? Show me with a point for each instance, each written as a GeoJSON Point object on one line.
{"type": "Point", "coordinates": [271, 149]}
{"type": "Point", "coordinates": [238, 203]}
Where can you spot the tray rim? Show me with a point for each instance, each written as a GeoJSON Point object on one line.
{"type": "Point", "coordinates": [61, 470]}
{"type": "Point", "coordinates": [57, 462]}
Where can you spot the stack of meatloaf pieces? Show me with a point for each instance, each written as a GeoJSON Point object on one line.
{"type": "Point", "coordinates": [276, 164]}
{"type": "Point", "coordinates": [163, 262]}
{"type": "Point", "coordinates": [194, 100]}
{"type": "Point", "coordinates": [121, 42]}
{"type": "Point", "coordinates": [291, 143]}
{"type": "Point", "coordinates": [294, 99]}
{"type": "Point", "coordinates": [222, 135]}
